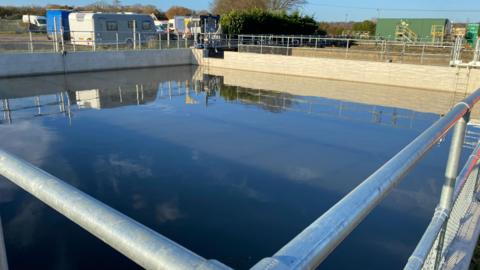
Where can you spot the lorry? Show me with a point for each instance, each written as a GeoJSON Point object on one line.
{"type": "Point", "coordinates": [93, 29]}
{"type": "Point", "coordinates": [57, 23]}
{"type": "Point", "coordinates": [35, 22]}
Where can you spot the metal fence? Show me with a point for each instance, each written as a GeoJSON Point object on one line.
{"type": "Point", "coordinates": [361, 49]}
{"type": "Point", "coordinates": [73, 41]}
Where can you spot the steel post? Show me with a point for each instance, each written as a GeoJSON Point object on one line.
{"type": "Point", "coordinates": [134, 35]}
{"type": "Point", "coordinates": [346, 50]}
{"type": "Point", "coordinates": [168, 39]}
{"type": "Point", "coordinates": [116, 38]}
{"type": "Point", "coordinates": [178, 41]}
{"type": "Point", "coordinates": [3, 250]}
{"type": "Point", "coordinates": [423, 53]}
{"type": "Point", "coordinates": [288, 44]}
{"type": "Point", "coordinates": [261, 44]}
{"type": "Point", "coordinates": [140, 41]}
{"type": "Point", "coordinates": [55, 34]}
{"type": "Point", "coordinates": [451, 172]}
{"type": "Point", "coordinates": [61, 38]}
{"type": "Point", "coordinates": [31, 40]}
{"type": "Point", "coordinates": [159, 41]}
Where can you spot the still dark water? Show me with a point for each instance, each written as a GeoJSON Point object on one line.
{"type": "Point", "coordinates": [229, 172]}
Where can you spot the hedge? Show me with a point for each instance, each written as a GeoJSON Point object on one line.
{"type": "Point", "coordinates": [258, 21]}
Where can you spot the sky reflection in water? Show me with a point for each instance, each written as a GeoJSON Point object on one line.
{"type": "Point", "coordinates": [229, 172]}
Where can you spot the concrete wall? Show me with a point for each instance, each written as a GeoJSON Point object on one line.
{"type": "Point", "coordinates": [27, 64]}
{"type": "Point", "coordinates": [404, 75]}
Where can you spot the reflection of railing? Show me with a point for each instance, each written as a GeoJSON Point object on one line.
{"type": "Point", "coordinates": [306, 251]}
{"type": "Point", "coordinates": [331, 108]}
{"type": "Point", "coordinates": [317, 241]}
{"type": "Point", "coordinates": [60, 106]}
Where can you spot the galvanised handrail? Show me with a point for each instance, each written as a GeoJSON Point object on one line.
{"type": "Point", "coordinates": [421, 252]}
{"type": "Point", "coordinates": [142, 245]}
{"type": "Point", "coordinates": [308, 249]}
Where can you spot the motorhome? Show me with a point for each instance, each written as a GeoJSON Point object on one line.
{"type": "Point", "coordinates": [111, 28]}
{"type": "Point", "coordinates": [35, 22]}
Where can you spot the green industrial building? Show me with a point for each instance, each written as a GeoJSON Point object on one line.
{"type": "Point", "coordinates": [426, 30]}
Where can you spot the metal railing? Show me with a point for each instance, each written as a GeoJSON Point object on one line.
{"type": "Point", "coordinates": [73, 41]}
{"type": "Point", "coordinates": [308, 249]}
{"type": "Point", "coordinates": [137, 242]}
{"type": "Point", "coordinates": [427, 52]}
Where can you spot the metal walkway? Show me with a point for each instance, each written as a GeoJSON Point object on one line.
{"type": "Point", "coordinates": [446, 244]}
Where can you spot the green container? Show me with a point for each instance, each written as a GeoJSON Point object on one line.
{"type": "Point", "coordinates": [386, 27]}
{"type": "Point", "coordinates": [472, 33]}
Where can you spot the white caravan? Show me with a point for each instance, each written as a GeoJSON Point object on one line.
{"type": "Point", "coordinates": [110, 28]}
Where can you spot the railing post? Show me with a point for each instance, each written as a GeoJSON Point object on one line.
{"type": "Point", "coordinates": [116, 37]}
{"type": "Point", "coordinates": [73, 42]}
{"type": "Point", "coordinates": [62, 33]}
{"type": "Point", "coordinates": [168, 39]}
{"type": "Point", "coordinates": [288, 44]}
{"type": "Point", "coordinates": [159, 41]}
{"type": "Point", "coordinates": [451, 172]}
{"type": "Point", "coordinates": [134, 34]}
{"type": "Point", "coordinates": [139, 41]}
{"type": "Point", "coordinates": [346, 50]}
{"type": "Point", "coordinates": [178, 41]}
{"type": "Point", "coordinates": [423, 53]}
{"type": "Point", "coordinates": [31, 40]}
{"type": "Point", "coordinates": [94, 42]}
{"type": "Point", "coordinates": [55, 33]}
{"type": "Point", "coordinates": [261, 44]}
{"type": "Point", "coordinates": [3, 250]}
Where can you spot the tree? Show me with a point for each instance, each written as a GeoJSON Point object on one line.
{"type": "Point", "coordinates": [178, 11]}
{"type": "Point", "coordinates": [224, 6]}
{"type": "Point", "coordinates": [285, 5]}
{"type": "Point", "coordinates": [257, 21]}
{"type": "Point", "coordinates": [221, 7]}
{"type": "Point", "coordinates": [365, 26]}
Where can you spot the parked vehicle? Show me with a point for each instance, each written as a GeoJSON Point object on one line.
{"type": "Point", "coordinates": [177, 24]}
{"type": "Point", "coordinates": [35, 22]}
{"type": "Point", "coordinates": [162, 26]}
{"type": "Point", "coordinates": [57, 21]}
{"type": "Point", "coordinates": [111, 28]}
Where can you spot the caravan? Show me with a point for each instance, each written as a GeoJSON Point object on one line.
{"type": "Point", "coordinates": [111, 28]}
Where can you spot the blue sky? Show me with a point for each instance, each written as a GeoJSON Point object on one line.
{"type": "Point", "coordinates": [329, 10]}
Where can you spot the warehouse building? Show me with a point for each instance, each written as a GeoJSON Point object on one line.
{"type": "Point", "coordinates": [418, 29]}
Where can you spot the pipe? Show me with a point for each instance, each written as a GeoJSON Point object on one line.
{"type": "Point", "coordinates": [134, 240]}
{"type": "Point", "coordinates": [308, 249]}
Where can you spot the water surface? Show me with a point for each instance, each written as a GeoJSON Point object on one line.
{"type": "Point", "coordinates": [228, 171]}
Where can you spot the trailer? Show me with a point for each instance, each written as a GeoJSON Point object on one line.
{"type": "Point", "coordinates": [91, 29]}
{"type": "Point", "coordinates": [57, 23]}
